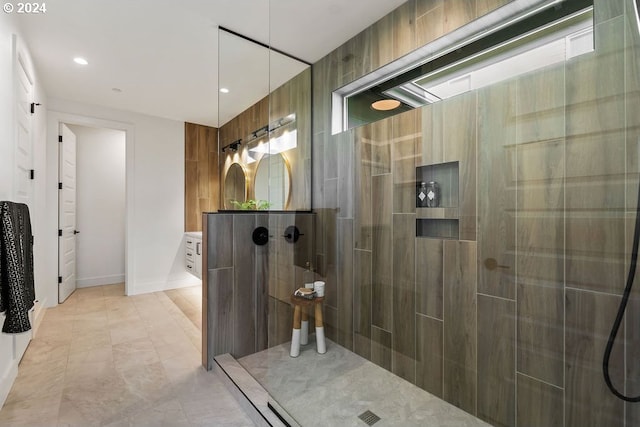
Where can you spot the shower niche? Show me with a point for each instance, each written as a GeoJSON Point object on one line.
{"type": "Point", "coordinates": [440, 221]}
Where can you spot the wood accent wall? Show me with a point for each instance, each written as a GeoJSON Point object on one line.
{"type": "Point", "coordinates": [201, 173]}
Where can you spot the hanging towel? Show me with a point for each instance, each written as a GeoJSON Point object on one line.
{"type": "Point", "coordinates": [17, 293]}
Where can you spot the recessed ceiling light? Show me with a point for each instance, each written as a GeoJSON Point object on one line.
{"type": "Point", "coordinates": [80, 61]}
{"type": "Point", "coordinates": [224, 90]}
{"type": "Point", "coordinates": [385, 104]}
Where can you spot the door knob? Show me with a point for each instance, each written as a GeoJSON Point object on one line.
{"type": "Point", "coordinates": [75, 232]}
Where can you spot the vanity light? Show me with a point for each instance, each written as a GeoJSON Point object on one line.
{"type": "Point", "coordinates": [386, 104]}
{"type": "Point", "coordinates": [80, 61]}
{"type": "Point", "coordinates": [233, 146]}
{"type": "Point", "coordinates": [224, 90]}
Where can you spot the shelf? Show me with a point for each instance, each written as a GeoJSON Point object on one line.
{"type": "Point", "coordinates": [440, 222]}
{"type": "Point", "coordinates": [437, 213]}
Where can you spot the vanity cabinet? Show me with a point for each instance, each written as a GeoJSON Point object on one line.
{"type": "Point", "coordinates": [193, 253]}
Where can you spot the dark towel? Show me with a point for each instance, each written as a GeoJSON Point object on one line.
{"type": "Point", "coordinates": [17, 293]}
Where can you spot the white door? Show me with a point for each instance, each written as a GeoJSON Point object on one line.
{"type": "Point", "coordinates": [23, 184]}
{"type": "Point", "coordinates": [67, 215]}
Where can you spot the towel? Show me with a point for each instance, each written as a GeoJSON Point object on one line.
{"type": "Point", "coordinates": [17, 292]}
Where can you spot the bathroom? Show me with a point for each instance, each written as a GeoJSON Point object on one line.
{"type": "Point", "coordinates": [501, 301]}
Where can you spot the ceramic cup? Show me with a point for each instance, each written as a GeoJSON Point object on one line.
{"type": "Point", "coordinates": [318, 286]}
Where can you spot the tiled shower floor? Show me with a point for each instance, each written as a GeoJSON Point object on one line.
{"type": "Point", "coordinates": [333, 389]}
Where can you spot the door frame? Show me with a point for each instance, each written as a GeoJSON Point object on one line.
{"type": "Point", "coordinates": [54, 119]}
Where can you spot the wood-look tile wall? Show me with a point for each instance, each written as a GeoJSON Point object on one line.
{"type": "Point", "coordinates": [247, 287]}
{"type": "Point", "coordinates": [510, 321]}
{"type": "Point", "coordinates": [202, 177]}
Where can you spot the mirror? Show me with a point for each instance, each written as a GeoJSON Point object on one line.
{"type": "Point", "coordinates": [273, 181]}
{"type": "Point", "coordinates": [265, 117]}
{"type": "Point", "coordinates": [235, 186]}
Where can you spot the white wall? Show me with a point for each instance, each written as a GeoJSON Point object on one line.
{"type": "Point", "coordinates": [10, 44]}
{"type": "Point", "coordinates": [155, 191]}
{"type": "Point", "coordinates": [100, 214]}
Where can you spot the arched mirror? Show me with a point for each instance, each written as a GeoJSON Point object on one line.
{"type": "Point", "coordinates": [235, 186]}
{"type": "Point", "coordinates": [272, 181]}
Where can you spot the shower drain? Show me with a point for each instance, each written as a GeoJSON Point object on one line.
{"type": "Point", "coordinates": [369, 417]}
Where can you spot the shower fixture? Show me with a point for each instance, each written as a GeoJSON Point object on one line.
{"type": "Point", "coordinates": [630, 278]}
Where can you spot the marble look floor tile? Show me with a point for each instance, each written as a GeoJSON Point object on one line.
{"type": "Point", "coordinates": [30, 413]}
{"type": "Point", "coordinates": [134, 353]}
{"type": "Point", "coordinates": [39, 380]}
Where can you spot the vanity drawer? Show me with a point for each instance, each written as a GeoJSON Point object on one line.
{"type": "Point", "coordinates": [191, 266]}
{"type": "Point", "coordinates": [190, 243]}
{"type": "Point", "coordinates": [190, 255]}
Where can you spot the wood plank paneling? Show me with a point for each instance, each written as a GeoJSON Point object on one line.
{"type": "Point", "coordinates": [460, 117]}
{"type": "Point", "coordinates": [202, 182]}
{"type": "Point", "coordinates": [497, 183]}
{"type": "Point", "coordinates": [429, 336]}
{"type": "Point", "coordinates": [539, 404]}
{"type": "Point", "coordinates": [362, 302]}
{"type": "Point", "coordinates": [588, 402]}
{"type": "Point", "coordinates": [460, 348]}
{"type": "Point", "coordinates": [496, 361]}
{"type": "Point", "coordinates": [404, 296]}
{"type": "Point", "coordinates": [244, 287]}
{"type": "Point", "coordinates": [382, 256]}
{"type": "Point", "coordinates": [429, 277]}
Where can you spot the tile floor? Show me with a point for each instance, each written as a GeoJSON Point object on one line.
{"type": "Point", "coordinates": [105, 359]}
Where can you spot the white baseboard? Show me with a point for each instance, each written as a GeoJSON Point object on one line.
{"type": "Point", "coordinates": [138, 288]}
{"type": "Point", "coordinates": [39, 308]}
{"type": "Point", "coordinates": [99, 281]}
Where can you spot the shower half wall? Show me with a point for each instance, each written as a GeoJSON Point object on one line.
{"type": "Point", "coordinates": [509, 321]}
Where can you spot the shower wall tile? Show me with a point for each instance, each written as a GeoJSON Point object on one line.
{"type": "Point", "coordinates": [382, 256]}
{"type": "Point", "coordinates": [588, 401]}
{"type": "Point", "coordinates": [429, 337]}
{"type": "Point", "coordinates": [485, 6]}
{"type": "Point", "coordinates": [330, 320]}
{"type": "Point", "coordinates": [331, 154]}
{"type": "Point", "coordinates": [540, 262]}
{"type": "Point", "coordinates": [540, 105]}
{"type": "Point", "coordinates": [317, 181]}
{"type": "Point", "coordinates": [539, 404]}
{"type": "Point", "coordinates": [362, 268]}
{"type": "Point", "coordinates": [632, 328]}
{"type": "Point", "coordinates": [429, 277]}
{"type": "Point", "coordinates": [262, 288]}
{"type": "Point", "coordinates": [595, 201]}
{"type": "Point", "coordinates": [220, 238]}
{"type": "Point", "coordinates": [404, 29]}
{"type": "Point", "coordinates": [220, 311]}
{"type": "Point", "coordinates": [406, 145]}
{"type": "Point", "coordinates": [381, 341]}
{"type": "Point", "coordinates": [331, 241]}
{"type": "Point", "coordinates": [404, 296]}
{"type": "Point", "coordinates": [541, 331]}
{"type": "Point", "coordinates": [458, 13]}
{"type": "Point", "coordinates": [432, 129]}
{"type": "Point", "coordinates": [496, 360]}
{"type": "Point", "coordinates": [606, 9]}
{"type": "Point", "coordinates": [280, 322]}
{"type": "Point", "coordinates": [382, 42]}
{"type": "Point", "coordinates": [429, 21]}
{"type": "Point", "coordinates": [244, 286]}
{"type": "Point", "coordinates": [460, 348]}
{"type": "Point", "coordinates": [381, 140]}
{"type": "Point", "coordinates": [459, 135]}
{"type": "Point", "coordinates": [345, 150]}
{"type": "Point", "coordinates": [345, 283]}
{"type": "Point", "coordinates": [497, 179]}
{"type": "Point", "coordinates": [321, 89]}
{"type": "Point", "coordinates": [362, 211]}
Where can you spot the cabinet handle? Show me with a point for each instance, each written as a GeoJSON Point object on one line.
{"type": "Point", "coordinates": [189, 241]}
{"type": "Point", "coordinates": [198, 248]}
{"type": "Point", "coordinates": [189, 254]}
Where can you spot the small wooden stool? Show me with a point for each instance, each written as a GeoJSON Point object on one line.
{"type": "Point", "coordinates": [300, 334]}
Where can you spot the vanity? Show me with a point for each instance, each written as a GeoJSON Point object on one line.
{"type": "Point", "coordinates": [193, 253]}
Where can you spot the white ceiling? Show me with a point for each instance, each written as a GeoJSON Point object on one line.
{"type": "Point", "coordinates": [163, 54]}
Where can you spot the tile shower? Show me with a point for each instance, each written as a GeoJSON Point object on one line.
{"type": "Point", "coordinates": [509, 320]}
